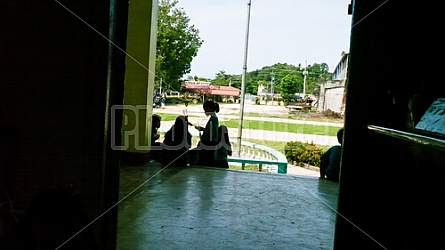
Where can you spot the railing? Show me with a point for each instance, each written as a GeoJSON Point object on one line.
{"type": "Point", "coordinates": [260, 155]}
{"type": "Point", "coordinates": [407, 136]}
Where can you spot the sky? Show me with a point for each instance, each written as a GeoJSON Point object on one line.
{"type": "Point", "coordinates": [280, 31]}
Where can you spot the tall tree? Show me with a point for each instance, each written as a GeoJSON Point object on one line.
{"type": "Point", "coordinates": [316, 73]}
{"type": "Point", "coordinates": [177, 43]}
{"type": "Point", "coordinates": [221, 79]}
{"type": "Point", "coordinates": [290, 85]}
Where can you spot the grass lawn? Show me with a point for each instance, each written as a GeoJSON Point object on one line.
{"type": "Point", "coordinates": [272, 126]}
{"type": "Point", "coordinates": [284, 127]}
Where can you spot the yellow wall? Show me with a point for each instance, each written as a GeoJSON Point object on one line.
{"type": "Point", "coordinates": [139, 76]}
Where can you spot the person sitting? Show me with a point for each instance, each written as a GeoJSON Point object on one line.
{"type": "Point", "coordinates": [176, 144]}
{"type": "Point", "coordinates": [331, 159]}
{"type": "Point", "coordinates": [155, 125]}
{"type": "Point", "coordinates": [155, 145]}
{"type": "Point", "coordinates": [223, 148]}
{"type": "Point", "coordinates": [208, 135]}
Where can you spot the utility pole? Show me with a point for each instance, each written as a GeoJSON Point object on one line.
{"type": "Point", "coordinates": [272, 80]}
{"type": "Point", "coordinates": [304, 81]}
{"type": "Point", "coordinates": [243, 81]}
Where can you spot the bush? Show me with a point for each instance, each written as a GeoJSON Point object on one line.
{"type": "Point", "coordinates": [302, 152]}
{"type": "Point", "coordinates": [332, 114]}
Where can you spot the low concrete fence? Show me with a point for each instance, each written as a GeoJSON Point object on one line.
{"type": "Point", "coordinates": [263, 156]}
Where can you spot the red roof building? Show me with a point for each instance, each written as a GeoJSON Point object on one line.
{"type": "Point", "coordinates": [212, 90]}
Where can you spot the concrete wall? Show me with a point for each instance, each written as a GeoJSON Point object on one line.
{"type": "Point", "coordinates": [331, 96]}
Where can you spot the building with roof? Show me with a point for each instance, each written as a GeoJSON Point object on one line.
{"type": "Point", "coordinates": [219, 93]}
{"type": "Point", "coordinates": [332, 93]}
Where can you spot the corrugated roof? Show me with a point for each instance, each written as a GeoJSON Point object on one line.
{"type": "Point", "coordinates": [225, 92]}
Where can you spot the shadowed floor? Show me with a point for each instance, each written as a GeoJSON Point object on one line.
{"type": "Point", "coordinates": [208, 208]}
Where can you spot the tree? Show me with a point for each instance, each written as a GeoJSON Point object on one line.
{"type": "Point", "coordinates": [221, 79]}
{"type": "Point", "coordinates": [177, 43]}
{"type": "Point", "coordinates": [277, 71]}
{"type": "Point", "coordinates": [290, 85]}
{"type": "Point", "coordinates": [317, 73]}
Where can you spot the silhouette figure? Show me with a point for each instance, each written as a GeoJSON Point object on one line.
{"type": "Point", "coordinates": [223, 148]}
{"type": "Point", "coordinates": [177, 143]}
{"type": "Point", "coordinates": [208, 135]}
{"type": "Point", "coordinates": [331, 159]}
{"type": "Point", "coordinates": [155, 144]}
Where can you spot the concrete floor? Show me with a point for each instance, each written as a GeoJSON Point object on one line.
{"type": "Point", "coordinates": [208, 208]}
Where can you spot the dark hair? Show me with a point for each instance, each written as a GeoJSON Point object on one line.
{"type": "Point", "coordinates": [340, 135]}
{"type": "Point", "coordinates": [210, 106]}
{"type": "Point", "coordinates": [179, 129]}
{"type": "Point", "coordinates": [216, 107]}
{"type": "Point", "coordinates": [177, 133]}
{"type": "Point", "coordinates": [155, 117]}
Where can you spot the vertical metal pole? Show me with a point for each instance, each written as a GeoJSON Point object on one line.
{"type": "Point", "coordinates": [243, 81]}
{"type": "Point", "coordinates": [304, 81]}
{"type": "Point", "coordinates": [272, 81]}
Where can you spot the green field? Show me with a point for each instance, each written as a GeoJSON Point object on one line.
{"type": "Point", "coordinates": [272, 126]}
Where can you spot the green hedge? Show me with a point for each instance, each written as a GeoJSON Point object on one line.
{"type": "Point", "coordinates": [303, 153]}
